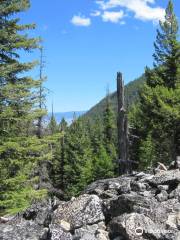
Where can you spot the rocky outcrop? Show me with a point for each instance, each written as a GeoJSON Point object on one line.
{"type": "Point", "coordinates": [32, 224]}
{"type": "Point", "coordinates": [84, 210]}
{"type": "Point", "coordinates": [140, 206]}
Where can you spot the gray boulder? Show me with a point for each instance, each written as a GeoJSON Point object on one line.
{"type": "Point", "coordinates": [133, 226]}
{"type": "Point", "coordinates": [58, 233]}
{"type": "Point", "coordinates": [127, 203]}
{"type": "Point", "coordinates": [84, 210]}
{"type": "Point", "coordinates": [114, 185]}
{"type": "Point", "coordinates": [23, 230]}
{"type": "Point", "coordinates": [39, 212]}
{"type": "Point", "coordinates": [175, 193]}
{"type": "Point", "coordinates": [136, 226]}
{"type": "Point", "coordinates": [140, 206]}
{"type": "Point", "coordinates": [92, 232]}
{"type": "Point", "coordinates": [166, 178]}
{"type": "Point", "coordinates": [175, 164]}
{"type": "Point", "coordinates": [138, 186]}
{"type": "Point", "coordinates": [162, 196]}
{"type": "Point", "coordinates": [32, 224]}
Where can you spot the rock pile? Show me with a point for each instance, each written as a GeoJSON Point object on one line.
{"type": "Point", "coordinates": [137, 206]}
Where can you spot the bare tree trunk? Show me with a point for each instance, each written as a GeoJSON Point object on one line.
{"type": "Point", "coordinates": [39, 125]}
{"type": "Point", "coordinates": [122, 124]}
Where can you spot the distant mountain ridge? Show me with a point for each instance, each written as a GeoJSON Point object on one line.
{"type": "Point", "coordinates": [131, 95]}
{"type": "Point", "coordinates": [68, 116]}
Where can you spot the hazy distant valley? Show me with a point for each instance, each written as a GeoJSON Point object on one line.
{"type": "Point", "coordinates": [68, 116]}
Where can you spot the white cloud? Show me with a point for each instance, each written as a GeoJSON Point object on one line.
{"type": "Point", "coordinates": [81, 21]}
{"type": "Point", "coordinates": [113, 17]}
{"type": "Point", "coordinates": [142, 9]}
{"type": "Point", "coordinates": [122, 22]}
{"type": "Point", "coordinates": [95, 14]}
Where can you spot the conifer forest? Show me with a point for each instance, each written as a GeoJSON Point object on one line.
{"type": "Point", "coordinates": [39, 160]}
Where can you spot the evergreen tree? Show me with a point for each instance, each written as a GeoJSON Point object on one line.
{"type": "Point", "coordinates": [63, 125]}
{"type": "Point", "coordinates": [19, 152]}
{"type": "Point", "coordinates": [17, 98]}
{"type": "Point", "coordinates": [159, 108]}
{"type": "Point", "coordinates": [108, 121]}
{"type": "Point", "coordinates": [78, 158]}
{"type": "Point", "coordinates": [63, 128]}
{"type": "Point", "coordinates": [167, 53]}
{"type": "Point", "coordinates": [135, 133]}
{"type": "Point", "coordinates": [102, 165]}
{"type": "Point", "coordinates": [160, 116]}
{"type": "Point", "coordinates": [53, 126]}
{"type": "Point", "coordinates": [109, 131]}
{"type": "Point", "coordinates": [59, 156]}
{"type": "Point", "coordinates": [95, 132]}
{"type": "Point", "coordinates": [146, 152]}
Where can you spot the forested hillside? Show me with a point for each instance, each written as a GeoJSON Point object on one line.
{"type": "Point", "coordinates": [39, 161]}
{"type": "Point", "coordinates": [131, 96]}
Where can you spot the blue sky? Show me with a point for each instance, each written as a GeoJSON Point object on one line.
{"type": "Point", "coordinates": [86, 42]}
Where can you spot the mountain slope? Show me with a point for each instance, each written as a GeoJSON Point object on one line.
{"type": "Point", "coordinates": [131, 95]}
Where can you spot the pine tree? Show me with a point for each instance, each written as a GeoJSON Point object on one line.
{"type": "Point", "coordinates": [146, 153]}
{"type": "Point", "coordinates": [95, 132]}
{"type": "Point", "coordinates": [16, 94]}
{"type": "Point", "coordinates": [59, 156]}
{"type": "Point", "coordinates": [159, 108]}
{"type": "Point", "coordinates": [63, 125]}
{"type": "Point", "coordinates": [78, 158]}
{"type": "Point", "coordinates": [102, 165]}
{"type": "Point", "coordinates": [167, 53]}
{"type": "Point", "coordinates": [108, 122]}
{"type": "Point", "coordinates": [19, 151]}
{"type": "Point", "coordinates": [53, 126]}
{"type": "Point", "coordinates": [109, 130]}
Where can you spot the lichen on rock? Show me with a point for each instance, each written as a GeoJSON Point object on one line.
{"type": "Point", "coordinates": [139, 206]}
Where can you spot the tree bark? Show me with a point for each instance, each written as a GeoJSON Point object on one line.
{"type": "Point", "coordinates": [39, 125]}
{"type": "Point", "coordinates": [122, 124]}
